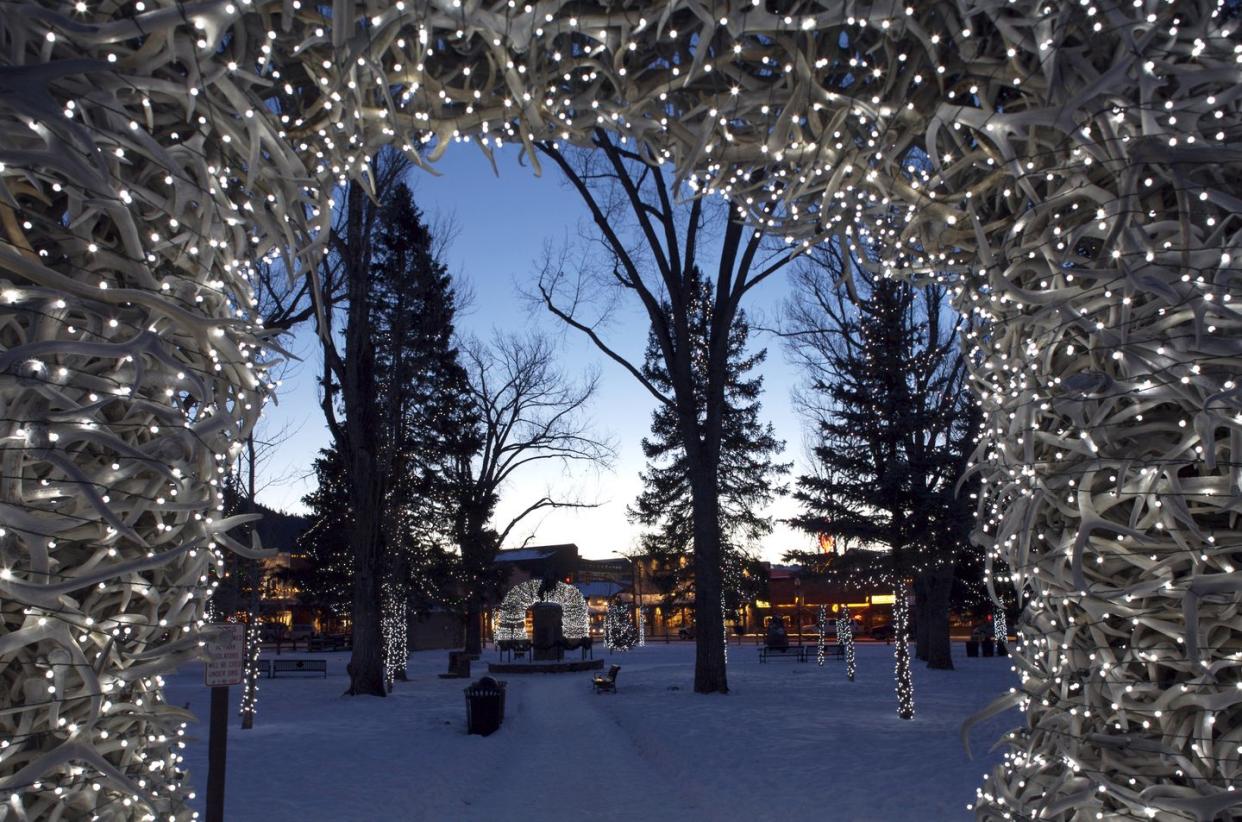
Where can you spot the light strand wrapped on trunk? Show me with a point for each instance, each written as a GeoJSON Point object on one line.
{"type": "Point", "coordinates": [845, 636]}
{"type": "Point", "coordinates": [821, 624]}
{"type": "Point", "coordinates": [250, 679]}
{"type": "Point", "coordinates": [901, 653]}
{"type": "Point", "coordinates": [395, 627]}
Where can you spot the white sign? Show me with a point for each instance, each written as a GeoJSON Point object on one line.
{"type": "Point", "coordinates": [226, 654]}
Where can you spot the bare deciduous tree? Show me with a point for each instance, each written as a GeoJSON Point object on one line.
{"type": "Point", "coordinates": [652, 245]}
{"type": "Point", "coordinates": [530, 412]}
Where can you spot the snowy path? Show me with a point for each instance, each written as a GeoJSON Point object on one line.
{"type": "Point", "coordinates": [789, 741]}
{"type": "Point", "coordinates": [569, 746]}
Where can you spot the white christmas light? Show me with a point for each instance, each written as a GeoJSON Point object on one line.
{"type": "Point", "coordinates": [1075, 213]}
{"type": "Point", "coordinates": [901, 653]}
{"type": "Point", "coordinates": [821, 624]}
{"type": "Point", "coordinates": [619, 633]}
{"type": "Point", "coordinates": [574, 616]}
{"type": "Point", "coordinates": [845, 638]}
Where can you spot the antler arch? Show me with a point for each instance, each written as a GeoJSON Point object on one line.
{"type": "Point", "coordinates": [1080, 189]}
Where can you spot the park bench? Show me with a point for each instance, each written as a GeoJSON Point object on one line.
{"type": "Point", "coordinates": [606, 682]}
{"type": "Point", "coordinates": [299, 666]}
{"type": "Point", "coordinates": [797, 652]}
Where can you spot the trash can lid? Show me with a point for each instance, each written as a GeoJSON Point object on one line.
{"type": "Point", "coordinates": [485, 682]}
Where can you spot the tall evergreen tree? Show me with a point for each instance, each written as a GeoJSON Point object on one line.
{"type": "Point", "coordinates": [893, 426]}
{"type": "Point", "coordinates": [430, 418]}
{"type": "Point", "coordinates": [325, 582]}
{"type": "Point", "coordinates": [383, 273]}
{"type": "Point", "coordinates": [747, 477]}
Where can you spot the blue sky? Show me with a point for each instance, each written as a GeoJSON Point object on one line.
{"type": "Point", "coordinates": [502, 227]}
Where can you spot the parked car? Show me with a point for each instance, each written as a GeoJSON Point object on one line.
{"type": "Point", "coordinates": [685, 633]}
{"type": "Point", "coordinates": [300, 631]}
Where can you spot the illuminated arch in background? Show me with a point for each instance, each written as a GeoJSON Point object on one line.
{"type": "Point", "coordinates": [158, 150]}
{"type": "Point", "coordinates": [512, 623]}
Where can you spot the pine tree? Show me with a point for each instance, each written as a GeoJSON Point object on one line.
{"type": "Point", "coordinates": [430, 418]}
{"type": "Point", "coordinates": [894, 428]}
{"type": "Point", "coordinates": [747, 478]}
{"type": "Point", "coordinates": [392, 401]}
{"type": "Point", "coordinates": [325, 582]}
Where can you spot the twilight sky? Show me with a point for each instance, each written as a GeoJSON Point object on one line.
{"type": "Point", "coordinates": [502, 227]}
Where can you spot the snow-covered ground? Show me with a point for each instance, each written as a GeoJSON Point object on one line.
{"type": "Point", "coordinates": [790, 741]}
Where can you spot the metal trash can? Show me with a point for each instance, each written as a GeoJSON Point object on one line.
{"type": "Point", "coordinates": [485, 706]}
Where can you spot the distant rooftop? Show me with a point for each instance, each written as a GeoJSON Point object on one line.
{"type": "Point", "coordinates": [535, 552]}
{"type": "Point", "coordinates": [600, 588]}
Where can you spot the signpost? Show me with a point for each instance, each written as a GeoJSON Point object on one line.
{"type": "Point", "coordinates": [226, 653]}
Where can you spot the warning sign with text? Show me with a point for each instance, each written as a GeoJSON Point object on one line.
{"type": "Point", "coordinates": [226, 654]}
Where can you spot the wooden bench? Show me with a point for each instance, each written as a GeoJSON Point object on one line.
{"type": "Point", "coordinates": [606, 682]}
{"type": "Point", "coordinates": [797, 652]}
{"type": "Point", "coordinates": [299, 666]}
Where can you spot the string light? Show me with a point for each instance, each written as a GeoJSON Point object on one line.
{"type": "Point", "coordinates": [901, 641]}
{"type": "Point", "coordinates": [845, 638]}
{"type": "Point", "coordinates": [250, 675]}
{"type": "Point", "coordinates": [1084, 226]}
{"type": "Point", "coordinates": [394, 625]}
{"type": "Point", "coordinates": [822, 624]}
{"type": "Point", "coordinates": [619, 632]}
{"type": "Point", "coordinates": [574, 617]}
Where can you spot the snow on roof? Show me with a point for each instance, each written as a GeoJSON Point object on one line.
{"type": "Point", "coordinates": [523, 554]}
{"type": "Point", "coordinates": [599, 588]}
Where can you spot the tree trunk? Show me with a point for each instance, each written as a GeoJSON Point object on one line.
{"type": "Point", "coordinates": [250, 680]}
{"type": "Point", "coordinates": [939, 591]}
{"type": "Point", "coordinates": [366, 661]}
{"type": "Point", "coordinates": [474, 623]}
{"type": "Point", "coordinates": [474, 559]}
{"type": "Point", "coordinates": [901, 650]}
{"type": "Point", "coordinates": [922, 584]}
{"type": "Point", "coordinates": [397, 601]}
{"type": "Point", "coordinates": [709, 660]}
{"type": "Point", "coordinates": [362, 450]}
